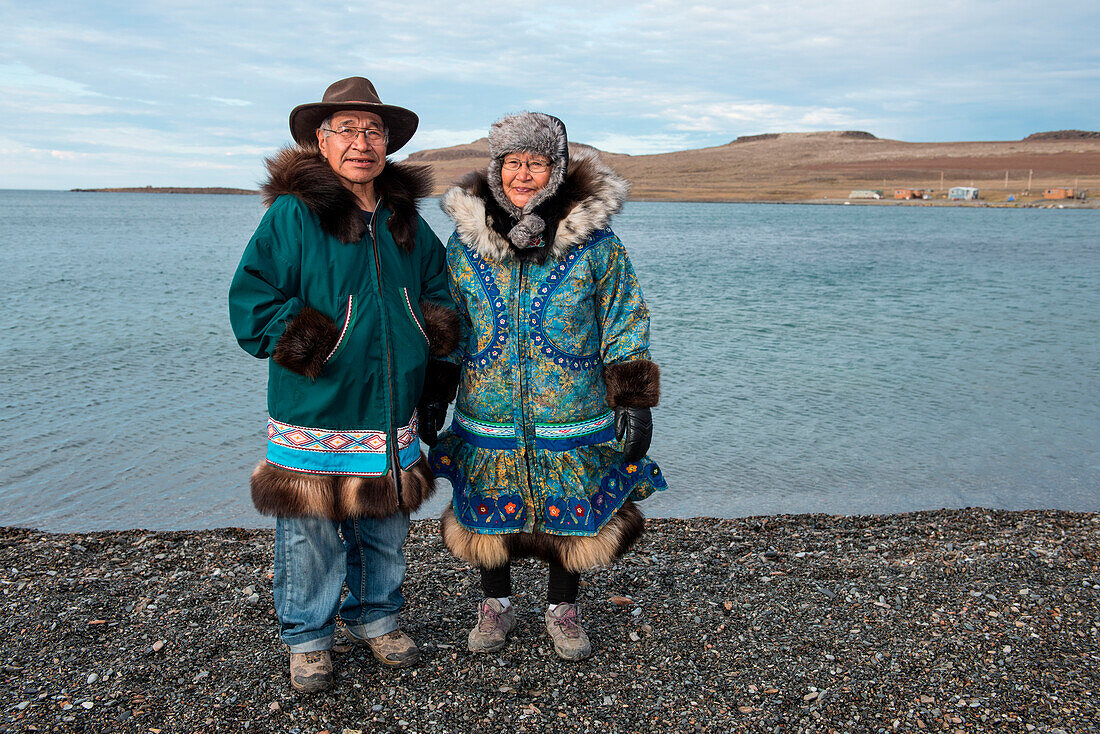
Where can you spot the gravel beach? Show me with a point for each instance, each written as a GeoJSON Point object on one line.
{"type": "Point", "coordinates": [962, 620]}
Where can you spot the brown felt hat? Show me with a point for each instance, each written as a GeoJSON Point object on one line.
{"type": "Point", "coordinates": [353, 93]}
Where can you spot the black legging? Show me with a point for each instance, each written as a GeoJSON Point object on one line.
{"type": "Point", "coordinates": [562, 588]}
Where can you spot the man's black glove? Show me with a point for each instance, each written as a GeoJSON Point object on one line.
{"type": "Point", "coordinates": [634, 427]}
{"type": "Point", "coordinates": [431, 415]}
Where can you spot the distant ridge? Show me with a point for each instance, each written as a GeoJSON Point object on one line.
{"type": "Point", "coordinates": [828, 165]}
{"type": "Point", "coordinates": [808, 166]}
{"type": "Point", "coordinates": [1064, 135]}
{"type": "Point", "coordinates": [171, 190]}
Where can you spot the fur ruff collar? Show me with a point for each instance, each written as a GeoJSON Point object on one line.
{"type": "Point", "coordinates": [301, 171]}
{"type": "Point", "coordinates": [589, 196]}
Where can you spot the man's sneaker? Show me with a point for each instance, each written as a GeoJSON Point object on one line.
{"type": "Point", "coordinates": [564, 626]}
{"type": "Point", "coordinates": [494, 622]}
{"type": "Point", "coordinates": [394, 649]}
{"type": "Point", "coordinates": [310, 672]}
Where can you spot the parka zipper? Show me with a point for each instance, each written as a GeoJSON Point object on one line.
{"type": "Point", "coordinates": [391, 437]}
{"type": "Point", "coordinates": [522, 347]}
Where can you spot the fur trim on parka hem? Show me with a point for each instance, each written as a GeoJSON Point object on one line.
{"type": "Point", "coordinates": [576, 553]}
{"type": "Point", "coordinates": [278, 491]}
{"type": "Point", "coordinates": [303, 172]}
{"type": "Point", "coordinates": [585, 202]}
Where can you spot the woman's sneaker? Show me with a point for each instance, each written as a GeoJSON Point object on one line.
{"type": "Point", "coordinates": [494, 622]}
{"type": "Point", "coordinates": [564, 625]}
{"type": "Point", "coordinates": [310, 672]}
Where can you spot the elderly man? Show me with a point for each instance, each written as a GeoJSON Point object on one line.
{"type": "Point", "coordinates": [343, 286]}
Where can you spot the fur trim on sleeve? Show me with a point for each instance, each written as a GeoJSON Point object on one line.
{"type": "Point", "coordinates": [305, 345]}
{"type": "Point", "coordinates": [442, 326]}
{"type": "Point", "coordinates": [634, 384]}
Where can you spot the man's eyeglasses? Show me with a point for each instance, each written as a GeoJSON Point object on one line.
{"type": "Point", "coordinates": [348, 134]}
{"type": "Point", "coordinates": [512, 164]}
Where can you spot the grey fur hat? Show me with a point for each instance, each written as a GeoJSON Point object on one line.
{"type": "Point", "coordinates": [527, 132]}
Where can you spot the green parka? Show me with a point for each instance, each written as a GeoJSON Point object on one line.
{"type": "Point", "coordinates": [348, 314]}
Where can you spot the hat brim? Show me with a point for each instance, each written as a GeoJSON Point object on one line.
{"type": "Point", "coordinates": [400, 122]}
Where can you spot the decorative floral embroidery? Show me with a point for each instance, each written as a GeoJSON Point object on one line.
{"type": "Point", "coordinates": [543, 299]}
{"type": "Point", "coordinates": [555, 466]}
{"type": "Point", "coordinates": [495, 346]}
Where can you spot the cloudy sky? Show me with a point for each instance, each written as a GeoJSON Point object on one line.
{"type": "Point", "coordinates": [161, 93]}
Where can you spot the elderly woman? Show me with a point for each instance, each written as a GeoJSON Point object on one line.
{"type": "Point", "coordinates": [546, 451]}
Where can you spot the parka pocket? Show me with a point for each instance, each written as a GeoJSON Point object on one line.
{"type": "Point", "coordinates": [349, 317]}
{"type": "Point", "coordinates": [417, 320]}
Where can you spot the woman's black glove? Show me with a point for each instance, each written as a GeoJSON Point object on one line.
{"type": "Point", "coordinates": [634, 427]}
{"type": "Point", "coordinates": [431, 414]}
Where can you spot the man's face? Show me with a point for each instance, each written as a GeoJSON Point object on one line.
{"type": "Point", "coordinates": [359, 160]}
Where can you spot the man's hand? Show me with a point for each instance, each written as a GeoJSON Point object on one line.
{"type": "Point", "coordinates": [431, 414]}
{"type": "Point", "coordinates": [634, 427]}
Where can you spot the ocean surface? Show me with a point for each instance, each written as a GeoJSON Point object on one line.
{"type": "Point", "coordinates": [815, 359]}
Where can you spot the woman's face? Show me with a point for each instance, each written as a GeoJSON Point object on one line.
{"type": "Point", "coordinates": [519, 181]}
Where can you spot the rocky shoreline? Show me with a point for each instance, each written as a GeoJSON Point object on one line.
{"type": "Point", "coordinates": [955, 620]}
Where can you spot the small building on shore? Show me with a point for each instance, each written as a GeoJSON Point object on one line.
{"type": "Point", "coordinates": [908, 193]}
{"type": "Point", "coordinates": [962, 193]}
{"type": "Point", "coordinates": [865, 194]}
{"type": "Point", "coordinates": [1060, 193]}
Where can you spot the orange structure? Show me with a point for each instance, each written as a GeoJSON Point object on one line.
{"type": "Point", "coordinates": [908, 193]}
{"type": "Point", "coordinates": [1059, 193]}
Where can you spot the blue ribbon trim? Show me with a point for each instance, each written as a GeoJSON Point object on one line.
{"type": "Point", "coordinates": [565, 444]}
{"type": "Point", "coordinates": [482, 442]}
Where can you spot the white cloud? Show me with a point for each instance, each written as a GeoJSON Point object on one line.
{"type": "Point", "coordinates": [439, 138]}
{"type": "Point", "coordinates": [639, 144]}
{"type": "Point", "coordinates": [211, 81]}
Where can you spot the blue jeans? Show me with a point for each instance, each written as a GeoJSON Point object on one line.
{"type": "Point", "coordinates": [316, 557]}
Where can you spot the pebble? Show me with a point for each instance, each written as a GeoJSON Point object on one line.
{"type": "Point", "coordinates": [729, 653]}
{"type": "Point", "coordinates": [92, 678]}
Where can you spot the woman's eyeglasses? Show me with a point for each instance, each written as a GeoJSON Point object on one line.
{"type": "Point", "coordinates": [512, 164]}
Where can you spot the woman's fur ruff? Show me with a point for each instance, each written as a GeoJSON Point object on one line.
{"type": "Point", "coordinates": [303, 172]}
{"type": "Point", "coordinates": [576, 553]}
{"type": "Point", "coordinates": [585, 202]}
{"type": "Point", "coordinates": [635, 384]}
{"type": "Point", "coordinates": [278, 491]}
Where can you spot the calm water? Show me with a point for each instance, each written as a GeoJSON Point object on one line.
{"type": "Point", "coordinates": [815, 359]}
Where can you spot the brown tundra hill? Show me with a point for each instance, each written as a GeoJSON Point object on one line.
{"type": "Point", "coordinates": [829, 165]}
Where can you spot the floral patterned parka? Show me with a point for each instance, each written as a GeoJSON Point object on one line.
{"type": "Point", "coordinates": [550, 344]}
